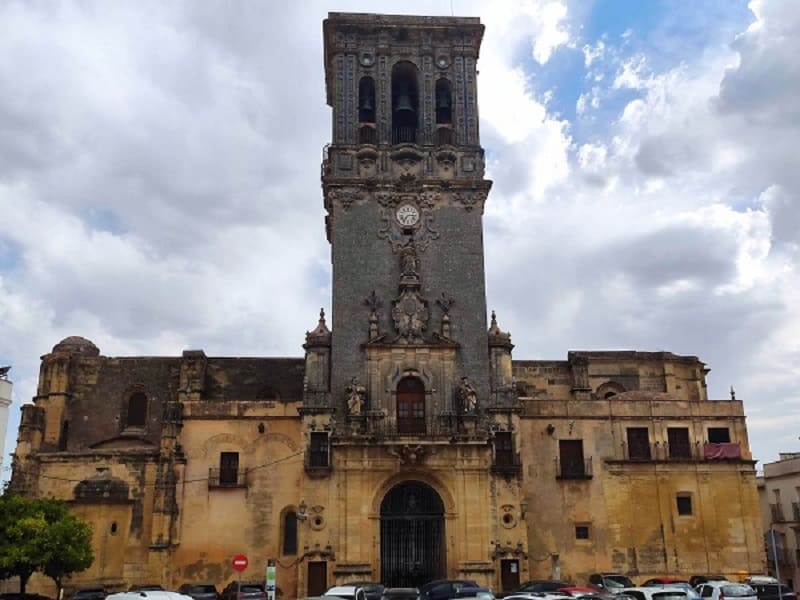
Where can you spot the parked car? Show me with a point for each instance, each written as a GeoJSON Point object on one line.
{"type": "Point", "coordinates": [612, 583]}
{"type": "Point", "coordinates": [347, 592]}
{"type": "Point", "coordinates": [251, 590]}
{"type": "Point", "coordinates": [684, 585]}
{"type": "Point", "coordinates": [714, 590]}
{"type": "Point", "coordinates": [474, 593]}
{"type": "Point", "coordinates": [653, 592]}
{"type": "Point", "coordinates": [696, 580]}
{"type": "Point", "coordinates": [541, 585]}
{"type": "Point", "coordinates": [577, 591]}
{"type": "Point", "coordinates": [148, 595]}
{"type": "Point", "coordinates": [18, 596]}
{"type": "Point", "coordinates": [373, 590]}
{"type": "Point", "coordinates": [90, 594]}
{"type": "Point", "coordinates": [200, 591]}
{"type": "Point", "coordinates": [400, 594]}
{"type": "Point", "coordinates": [146, 587]}
{"type": "Point", "coordinates": [772, 591]}
{"type": "Point", "coordinates": [663, 581]}
{"type": "Point", "coordinates": [444, 589]}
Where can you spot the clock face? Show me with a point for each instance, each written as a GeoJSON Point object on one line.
{"type": "Point", "coordinates": [407, 215]}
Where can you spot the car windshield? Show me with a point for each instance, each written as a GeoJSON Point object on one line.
{"type": "Point", "coordinates": [618, 581]}
{"type": "Point", "coordinates": [251, 588]}
{"type": "Point", "coordinates": [738, 590]}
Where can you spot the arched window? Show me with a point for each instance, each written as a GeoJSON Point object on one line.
{"type": "Point", "coordinates": [290, 533]}
{"type": "Point", "coordinates": [137, 410]}
{"type": "Point", "coordinates": [444, 102]}
{"type": "Point", "coordinates": [405, 103]}
{"type": "Point", "coordinates": [410, 406]}
{"type": "Point", "coordinates": [366, 100]}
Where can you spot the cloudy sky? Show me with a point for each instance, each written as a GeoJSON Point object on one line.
{"type": "Point", "coordinates": [159, 182]}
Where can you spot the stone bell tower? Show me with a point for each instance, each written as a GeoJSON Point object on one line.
{"type": "Point", "coordinates": [404, 188]}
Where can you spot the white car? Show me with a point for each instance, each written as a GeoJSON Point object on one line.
{"type": "Point", "coordinates": [347, 592]}
{"type": "Point", "coordinates": [657, 593]}
{"type": "Point", "coordinates": [721, 590]}
{"type": "Point", "coordinates": [148, 595]}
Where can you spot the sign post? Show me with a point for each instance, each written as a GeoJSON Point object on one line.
{"type": "Point", "coordinates": [239, 563]}
{"type": "Point", "coordinates": [270, 579]}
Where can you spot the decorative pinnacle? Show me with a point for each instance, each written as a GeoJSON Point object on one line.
{"type": "Point", "coordinates": [322, 316]}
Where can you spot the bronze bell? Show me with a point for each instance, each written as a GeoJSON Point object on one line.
{"type": "Point", "coordinates": [403, 102]}
{"type": "Point", "coordinates": [367, 102]}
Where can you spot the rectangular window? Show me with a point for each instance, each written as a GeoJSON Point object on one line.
{"type": "Point", "coordinates": [638, 443]}
{"type": "Point", "coordinates": [318, 450]}
{"type": "Point", "coordinates": [719, 435]}
{"type": "Point", "coordinates": [678, 440]}
{"type": "Point", "coordinates": [581, 532]}
{"type": "Point", "coordinates": [503, 449]}
{"type": "Point", "coordinates": [571, 458]}
{"type": "Point", "coordinates": [228, 468]}
{"type": "Point", "coordinates": [684, 503]}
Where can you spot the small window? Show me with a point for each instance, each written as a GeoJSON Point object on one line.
{"type": "Point", "coordinates": [719, 435]}
{"type": "Point", "coordinates": [137, 410]}
{"type": "Point", "coordinates": [684, 503]}
{"type": "Point", "coordinates": [318, 449]}
{"type": "Point", "coordinates": [290, 533]}
{"type": "Point", "coordinates": [228, 468]}
{"type": "Point", "coordinates": [581, 532]}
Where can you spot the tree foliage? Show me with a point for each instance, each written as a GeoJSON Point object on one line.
{"type": "Point", "coordinates": [40, 534]}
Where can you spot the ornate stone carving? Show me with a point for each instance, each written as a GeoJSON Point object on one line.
{"type": "Point", "coordinates": [410, 310]}
{"type": "Point", "coordinates": [469, 199]}
{"type": "Point", "coordinates": [445, 302]}
{"type": "Point", "coordinates": [356, 398]}
{"type": "Point", "coordinates": [407, 454]}
{"type": "Point", "coordinates": [467, 397]}
{"type": "Point", "coordinates": [345, 197]}
{"type": "Point", "coordinates": [374, 303]}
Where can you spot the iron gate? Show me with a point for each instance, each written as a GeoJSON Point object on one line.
{"type": "Point", "coordinates": [412, 536]}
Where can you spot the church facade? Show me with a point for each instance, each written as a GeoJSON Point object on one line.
{"type": "Point", "coordinates": [406, 444]}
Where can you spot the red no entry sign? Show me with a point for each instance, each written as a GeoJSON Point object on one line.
{"type": "Point", "coordinates": [239, 562]}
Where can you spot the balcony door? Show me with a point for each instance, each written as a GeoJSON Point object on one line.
{"type": "Point", "coordinates": [410, 406]}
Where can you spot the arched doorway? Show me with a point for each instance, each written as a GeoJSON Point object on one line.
{"type": "Point", "coordinates": [412, 535]}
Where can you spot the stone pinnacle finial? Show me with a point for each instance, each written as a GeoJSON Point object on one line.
{"type": "Point", "coordinates": [733, 393]}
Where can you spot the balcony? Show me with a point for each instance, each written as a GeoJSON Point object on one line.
{"type": "Point", "coordinates": [450, 427]}
{"type": "Point", "coordinates": [574, 469]}
{"type": "Point", "coordinates": [723, 451]}
{"type": "Point", "coordinates": [508, 468]}
{"type": "Point", "coordinates": [776, 512]}
{"type": "Point", "coordinates": [227, 478]}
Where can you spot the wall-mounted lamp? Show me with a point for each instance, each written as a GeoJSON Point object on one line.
{"type": "Point", "coordinates": [523, 508]}
{"type": "Point", "coordinates": [550, 428]}
{"type": "Point", "coordinates": [302, 515]}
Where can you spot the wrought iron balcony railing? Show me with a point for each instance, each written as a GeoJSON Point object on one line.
{"type": "Point", "coordinates": [574, 469]}
{"type": "Point", "coordinates": [227, 478]}
{"type": "Point", "coordinates": [776, 511]}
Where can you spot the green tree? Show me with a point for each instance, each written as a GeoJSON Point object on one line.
{"type": "Point", "coordinates": [41, 534]}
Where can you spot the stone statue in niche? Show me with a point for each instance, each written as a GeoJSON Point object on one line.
{"type": "Point", "coordinates": [356, 398]}
{"type": "Point", "coordinates": [467, 397]}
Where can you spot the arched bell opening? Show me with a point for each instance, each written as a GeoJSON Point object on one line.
{"type": "Point", "coordinates": [405, 103]}
{"type": "Point", "coordinates": [413, 548]}
{"type": "Point", "coordinates": [444, 112]}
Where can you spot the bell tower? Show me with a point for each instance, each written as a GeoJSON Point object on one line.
{"type": "Point", "coordinates": [404, 189]}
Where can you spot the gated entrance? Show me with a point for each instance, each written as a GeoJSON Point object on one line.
{"type": "Point", "coordinates": [412, 535]}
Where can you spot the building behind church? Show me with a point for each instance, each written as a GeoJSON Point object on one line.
{"type": "Point", "coordinates": [406, 444]}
